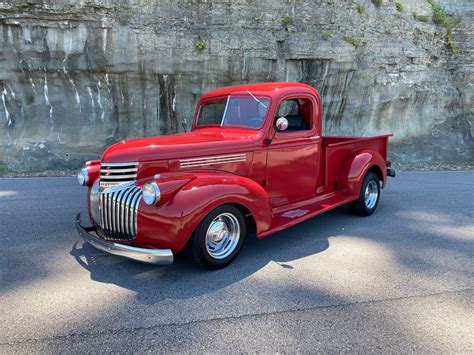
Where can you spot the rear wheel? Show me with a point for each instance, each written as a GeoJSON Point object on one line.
{"type": "Point", "coordinates": [369, 196]}
{"type": "Point", "coordinates": [219, 237]}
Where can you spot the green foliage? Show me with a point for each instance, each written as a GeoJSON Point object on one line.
{"type": "Point", "coordinates": [326, 35]}
{"type": "Point", "coordinates": [355, 42]}
{"type": "Point", "coordinates": [450, 42]}
{"type": "Point", "coordinates": [418, 32]}
{"type": "Point", "coordinates": [360, 8]}
{"type": "Point", "coordinates": [286, 21]}
{"type": "Point", "coordinates": [123, 21]}
{"type": "Point", "coordinates": [5, 170]}
{"type": "Point", "coordinates": [439, 16]}
{"type": "Point", "coordinates": [200, 45]}
{"type": "Point", "coordinates": [258, 19]}
{"type": "Point", "coordinates": [471, 116]}
{"type": "Point", "coordinates": [421, 18]}
{"type": "Point", "coordinates": [399, 5]}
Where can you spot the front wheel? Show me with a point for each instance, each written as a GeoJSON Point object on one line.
{"type": "Point", "coordinates": [369, 196]}
{"type": "Point", "coordinates": [219, 237]}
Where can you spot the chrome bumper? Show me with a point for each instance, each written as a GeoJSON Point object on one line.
{"type": "Point", "coordinates": [151, 256]}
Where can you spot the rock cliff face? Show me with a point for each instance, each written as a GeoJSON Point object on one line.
{"type": "Point", "coordinates": [78, 75]}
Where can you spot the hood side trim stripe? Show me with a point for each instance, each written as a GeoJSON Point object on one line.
{"type": "Point", "coordinates": [212, 160]}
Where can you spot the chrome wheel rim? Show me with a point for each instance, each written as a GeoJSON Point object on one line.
{"type": "Point", "coordinates": [222, 235]}
{"type": "Point", "coordinates": [371, 194]}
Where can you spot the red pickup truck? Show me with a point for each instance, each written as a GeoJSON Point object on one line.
{"type": "Point", "coordinates": [255, 159]}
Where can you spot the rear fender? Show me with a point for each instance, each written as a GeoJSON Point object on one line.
{"type": "Point", "coordinates": [172, 223]}
{"type": "Point", "coordinates": [355, 167]}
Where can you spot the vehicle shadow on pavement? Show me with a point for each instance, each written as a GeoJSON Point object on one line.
{"type": "Point", "coordinates": [183, 279]}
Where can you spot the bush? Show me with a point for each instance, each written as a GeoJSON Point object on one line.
{"type": "Point", "coordinates": [123, 21]}
{"type": "Point", "coordinates": [400, 7]}
{"type": "Point", "coordinates": [326, 35]}
{"type": "Point", "coordinates": [450, 42]}
{"type": "Point", "coordinates": [200, 45]}
{"type": "Point", "coordinates": [360, 8]}
{"type": "Point", "coordinates": [422, 18]}
{"type": "Point", "coordinates": [439, 16]}
{"type": "Point", "coordinates": [355, 42]}
{"type": "Point", "coordinates": [286, 21]}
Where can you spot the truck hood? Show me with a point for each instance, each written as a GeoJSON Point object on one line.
{"type": "Point", "coordinates": [204, 141]}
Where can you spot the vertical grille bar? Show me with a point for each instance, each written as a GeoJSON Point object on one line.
{"type": "Point", "coordinates": [133, 205]}
{"type": "Point", "coordinates": [106, 208]}
{"type": "Point", "coordinates": [109, 211]}
{"type": "Point", "coordinates": [121, 210]}
{"type": "Point", "coordinates": [135, 222]}
{"type": "Point", "coordinates": [114, 211]}
{"type": "Point", "coordinates": [127, 206]}
{"type": "Point", "coordinates": [101, 210]}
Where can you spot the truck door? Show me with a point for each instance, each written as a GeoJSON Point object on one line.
{"type": "Point", "coordinates": [293, 156]}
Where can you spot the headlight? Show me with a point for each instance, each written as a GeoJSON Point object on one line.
{"type": "Point", "coordinates": [83, 177]}
{"type": "Point", "coordinates": [151, 193]}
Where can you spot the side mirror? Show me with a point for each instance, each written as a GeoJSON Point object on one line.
{"type": "Point", "coordinates": [282, 124]}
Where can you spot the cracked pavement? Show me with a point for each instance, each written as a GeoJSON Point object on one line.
{"type": "Point", "coordinates": [400, 280]}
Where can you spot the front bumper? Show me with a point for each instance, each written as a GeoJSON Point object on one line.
{"type": "Point", "coordinates": [151, 256]}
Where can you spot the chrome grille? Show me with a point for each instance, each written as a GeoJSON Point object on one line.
{"type": "Point", "coordinates": [113, 174]}
{"type": "Point", "coordinates": [115, 211]}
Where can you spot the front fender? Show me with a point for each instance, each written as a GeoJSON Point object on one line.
{"type": "Point", "coordinates": [354, 168]}
{"type": "Point", "coordinates": [171, 224]}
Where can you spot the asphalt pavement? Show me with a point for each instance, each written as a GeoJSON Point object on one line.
{"type": "Point", "coordinates": [401, 280]}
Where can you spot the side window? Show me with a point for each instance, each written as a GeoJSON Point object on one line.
{"type": "Point", "coordinates": [297, 112]}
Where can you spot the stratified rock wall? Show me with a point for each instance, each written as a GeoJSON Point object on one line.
{"type": "Point", "coordinates": [76, 76]}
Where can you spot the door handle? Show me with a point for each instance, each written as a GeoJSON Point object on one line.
{"type": "Point", "coordinates": [315, 137]}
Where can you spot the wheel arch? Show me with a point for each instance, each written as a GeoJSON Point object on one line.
{"type": "Point", "coordinates": [355, 167]}
{"type": "Point", "coordinates": [377, 171]}
{"type": "Point", "coordinates": [175, 221]}
{"type": "Point", "coordinates": [257, 217]}
{"type": "Point", "coordinates": [248, 216]}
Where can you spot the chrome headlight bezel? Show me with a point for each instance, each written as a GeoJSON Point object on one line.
{"type": "Point", "coordinates": [83, 177]}
{"type": "Point", "coordinates": [151, 193]}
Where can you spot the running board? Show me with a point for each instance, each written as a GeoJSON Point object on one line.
{"type": "Point", "coordinates": [288, 216]}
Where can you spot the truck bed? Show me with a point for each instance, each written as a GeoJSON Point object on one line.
{"type": "Point", "coordinates": [335, 149]}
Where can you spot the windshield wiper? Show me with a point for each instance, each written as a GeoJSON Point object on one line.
{"type": "Point", "coordinates": [253, 96]}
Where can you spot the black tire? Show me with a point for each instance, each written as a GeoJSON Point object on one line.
{"type": "Point", "coordinates": [201, 252]}
{"type": "Point", "coordinates": [360, 206]}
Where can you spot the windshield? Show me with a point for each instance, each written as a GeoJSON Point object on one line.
{"type": "Point", "coordinates": [234, 111]}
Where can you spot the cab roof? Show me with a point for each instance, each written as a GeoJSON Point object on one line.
{"type": "Point", "coordinates": [269, 89]}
